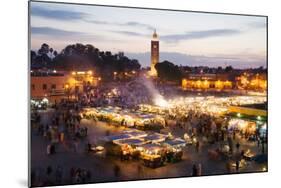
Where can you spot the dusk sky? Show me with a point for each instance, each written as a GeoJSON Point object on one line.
{"type": "Point", "coordinates": [186, 38]}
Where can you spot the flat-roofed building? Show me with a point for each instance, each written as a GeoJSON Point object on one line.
{"type": "Point", "coordinates": [55, 86]}
{"type": "Point", "coordinates": [207, 81]}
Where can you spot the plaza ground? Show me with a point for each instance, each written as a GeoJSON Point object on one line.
{"type": "Point", "coordinates": [102, 167]}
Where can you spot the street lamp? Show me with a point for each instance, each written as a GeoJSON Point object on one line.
{"type": "Point", "coordinates": [67, 89]}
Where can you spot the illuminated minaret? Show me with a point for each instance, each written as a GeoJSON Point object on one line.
{"type": "Point", "coordinates": [154, 53]}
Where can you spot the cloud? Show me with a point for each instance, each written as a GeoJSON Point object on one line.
{"type": "Point", "coordinates": [130, 33]}
{"type": "Point", "coordinates": [66, 15]}
{"type": "Point", "coordinates": [235, 60]}
{"type": "Point", "coordinates": [147, 26]}
{"type": "Point", "coordinates": [127, 24]}
{"type": "Point", "coordinates": [57, 14]}
{"type": "Point", "coordinates": [53, 31]}
{"type": "Point", "coordinates": [97, 22]}
{"type": "Point", "coordinates": [257, 25]}
{"type": "Point", "coordinates": [199, 35]}
{"type": "Point", "coordinates": [174, 38]}
{"type": "Point", "coordinates": [66, 37]}
{"type": "Point", "coordinates": [50, 33]}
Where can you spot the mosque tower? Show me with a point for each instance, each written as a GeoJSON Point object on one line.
{"type": "Point", "coordinates": [154, 53]}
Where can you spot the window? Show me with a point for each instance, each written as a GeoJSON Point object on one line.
{"type": "Point", "coordinates": [53, 86]}
{"type": "Point", "coordinates": [44, 86]}
{"type": "Point", "coordinates": [33, 87]}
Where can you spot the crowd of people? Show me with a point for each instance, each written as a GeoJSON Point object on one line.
{"type": "Point", "coordinates": [64, 127]}
{"type": "Point", "coordinates": [57, 175]}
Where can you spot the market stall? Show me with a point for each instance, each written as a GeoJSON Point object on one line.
{"type": "Point", "coordinates": [244, 126]}
{"type": "Point", "coordinates": [128, 147]}
{"type": "Point", "coordinates": [155, 138]}
{"type": "Point", "coordinates": [151, 155]}
{"type": "Point", "coordinates": [174, 149]}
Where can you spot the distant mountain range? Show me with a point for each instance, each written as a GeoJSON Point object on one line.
{"type": "Point", "coordinates": [191, 60]}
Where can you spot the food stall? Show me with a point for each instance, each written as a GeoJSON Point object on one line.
{"type": "Point", "coordinates": [174, 149]}
{"type": "Point", "coordinates": [263, 130]}
{"type": "Point", "coordinates": [151, 154]}
{"type": "Point", "coordinates": [129, 141]}
{"type": "Point", "coordinates": [155, 138]}
{"type": "Point", "coordinates": [128, 147]}
{"type": "Point", "coordinates": [116, 137]}
{"type": "Point", "coordinates": [134, 133]}
{"type": "Point", "coordinates": [244, 126]}
{"type": "Point", "coordinates": [127, 118]}
{"type": "Point", "coordinates": [248, 155]}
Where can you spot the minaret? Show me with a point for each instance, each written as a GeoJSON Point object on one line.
{"type": "Point", "coordinates": [154, 53]}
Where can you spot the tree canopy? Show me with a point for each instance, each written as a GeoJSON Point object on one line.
{"type": "Point", "coordinates": [168, 71]}
{"type": "Point", "coordinates": [82, 57]}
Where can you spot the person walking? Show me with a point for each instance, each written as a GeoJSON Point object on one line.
{"type": "Point", "coordinates": [48, 149]}
{"type": "Point", "coordinates": [116, 171]}
{"type": "Point", "coordinates": [234, 134]}
{"type": "Point", "coordinates": [237, 146]}
{"type": "Point", "coordinates": [258, 141]}
{"type": "Point", "coordinates": [237, 165]}
{"type": "Point", "coordinates": [49, 171]}
{"type": "Point", "coordinates": [263, 145]}
{"type": "Point", "coordinates": [194, 170]}
{"type": "Point", "coordinates": [197, 146]}
{"type": "Point", "coordinates": [72, 173]}
{"type": "Point", "coordinates": [140, 171]}
{"type": "Point", "coordinates": [228, 167]}
{"type": "Point", "coordinates": [199, 171]}
{"type": "Point", "coordinates": [58, 174]}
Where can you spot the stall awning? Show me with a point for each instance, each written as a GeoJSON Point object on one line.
{"type": "Point", "coordinates": [130, 141]}
{"type": "Point", "coordinates": [117, 137]}
{"type": "Point", "coordinates": [177, 142]}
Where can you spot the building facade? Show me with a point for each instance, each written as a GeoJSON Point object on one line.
{"type": "Point", "coordinates": [207, 81]}
{"type": "Point", "coordinates": [154, 53]}
{"type": "Point", "coordinates": [58, 86]}
{"type": "Point", "coordinates": [256, 82]}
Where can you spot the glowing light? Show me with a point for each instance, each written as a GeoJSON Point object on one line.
{"type": "Point", "coordinates": [238, 123]}
{"type": "Point", "coordinates": [54, 71]}
{"type": "Point", "coordinates": [259, 117]}
{"type": "Point", "coordinates": [160, 101]}
{"type": "Point", "coordinates": [99, 78]}
{"type": "Point", "coordinates": [263, 126]}
{"type": "Point", "coordinates": [81, 72]}
{"type": "Point", "coordinates": [238, 115]}
{"type": "Point", "coordinates": [73, 73]}
{"type": "Point", "coordinates": [115, 73]}
{"type": "Point", "coordinates": [90, 72]}
{"type": "Point", "coordinates": [45, 100]}
{"type": "Point", "coordinates": [114, 91]}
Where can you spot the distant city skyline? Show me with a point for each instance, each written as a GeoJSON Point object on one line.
{"type": "Point", "coordinates": [186, 38]}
